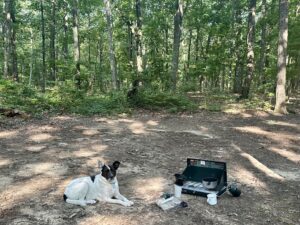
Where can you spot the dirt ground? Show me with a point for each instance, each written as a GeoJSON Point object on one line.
{"type": "Point", "coordinates": [38, 157]}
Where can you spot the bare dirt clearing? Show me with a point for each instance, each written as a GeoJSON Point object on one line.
{"type": "Point", "coordinates": [39, 157]}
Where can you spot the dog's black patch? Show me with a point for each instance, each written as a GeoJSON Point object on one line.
{"type": "Point", "coordinates": [92, 178]}
{"type": "Point", "coordinates": [65, 197]}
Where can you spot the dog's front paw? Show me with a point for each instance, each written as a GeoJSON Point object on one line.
{"type": "Point", "coordinates": [130, 203]}
{"type": "Point", "coordinates": [91, 202]}
{"type": "Point", "coordinates": [126, 204]}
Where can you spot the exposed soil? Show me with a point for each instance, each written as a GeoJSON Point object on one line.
{"type": "Point", "coordinates": [38, 157]}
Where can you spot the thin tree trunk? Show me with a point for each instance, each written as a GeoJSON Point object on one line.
{"type": "Point", "coordinates": [280, 106]}
{"type": "Point", "coordinates": [250, 49]}
{"type": "Point", "coordinates": [7, 23]}
{"type": "Point", "coordinates": [138, 36]}
{"type": "Point", "coordinates": [76, 43]}
{"type": "Point", "coordinates": [262, 60]}
{"type": "Point", "coordinates": [167, 47]}
{"type": "Point", "coordinates": [43, 46]}
{"type": "Point", "coordinates": [197, 44]}
{"type": "Point", "coordinates": [52, 42]}
{"type": "Point", "coordinates": [189, 54]}
{"type": "Point", "coordinates": [89, 40]}
{"type": "Point", "coordinates": [65, 41]}
{"type": "Point", "coordinates": [113, 64]}
{"type": "Point", "coordinates": [237, 81]}
{"type": "Point", "coordinates": [178, 17]}
{"type": "Point", "coordinates": [130, 41]}
{"type": "Point", "coordinates": [100, 53]}
{"type": "Point", "coordinates": [31, 56]}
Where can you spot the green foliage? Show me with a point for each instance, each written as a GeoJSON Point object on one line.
{"type": "Point", "coordinates": [15, 95]}
{"type": "Point", "coordinates": [169, 101]}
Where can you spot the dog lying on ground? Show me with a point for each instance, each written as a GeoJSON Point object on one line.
{"type": "Point", "coordinates": [103, 187]}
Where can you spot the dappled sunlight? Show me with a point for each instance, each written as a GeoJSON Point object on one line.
{"type": "Point", "coordinates": [258, 165]}
{"type": "Point", "coordinates": [90, 132]}
{"type": "Point", "coordinates": [244, 176]}
{"type": "Point", "coordinates": [108, 220]}
{"type": "Point", "coordinates": [45, 168]}
{"type": "Point", "coordinates": [35, 148]}
{"type": "Point", "coordinates": [63, 118]}
{"type": "Point", "coordinates": [137, 128]}
{"type": "Point", "coordinates": [89, 152]}
{"type": "Point", "coordinates": [150, 189]}
{"type": "Point", "coordinates": [290, 155]}
{"type": "Point", "coordinates": [259, 131]}
{"type": "Point", "coordinates": [152, 123]}
{"type": "Point", "coordinates": [42, 137]}
{"type": "Point", "coordinates": [45, 128]}
{"type": "Point", "coordinates": [18, 192]}
{"type": "Point", "coordinates": [281, 123]}
{"type": "Point", "coordinates": [261, 166]}
{"type": "Point", "coordinates": [4, 162]}
{"type": "Point", "coordinates": [8, 134]}
{"type": "Point", "coordinates": [126, 120]}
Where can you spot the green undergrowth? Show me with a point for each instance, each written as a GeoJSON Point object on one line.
{"type": "Point", "coordinates": [67, 99]}
{"type": "Point", "coordinates": [228, 102]}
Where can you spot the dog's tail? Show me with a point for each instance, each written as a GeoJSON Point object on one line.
{"type": "Point", "coordinates": [65, 198]}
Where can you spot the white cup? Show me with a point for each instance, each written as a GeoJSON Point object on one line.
{"type": "Point", "coordinates": [177, 191]}
{"type": "Point", "coordinates": [212, 199]}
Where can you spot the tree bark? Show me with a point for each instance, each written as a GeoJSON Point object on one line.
{"type": "Point", "coordinates": [76, 43]}
{"type": "Point", "coordinates": [138, 36]}
{"type": "Point", "coordinates": [250, 49]}
{"type": "Point", "coordinates": [178, 17]}
{"type": "Point", "coordinates": [7, 23]}
{"type": "Point", "coordinates": [43, 46]}
{"type": "Point", "coordinates": [262, 60]}
{"type": "Point", "coordinates": [31, 56]}
{"type": "Point", "coordinates": [280, 106]}
{"type": "Point", "coordinates": [189, 53]}
{"type": "Point", "coordinates": [65, 41]}
{"type": "Point", "coordinates": [237, 82]}
{"type": "Point", "coordinates": [10, 54]}
{"type": "Point", "coordinates": [52, 42]}
{"type": "Point", "coordinates": [113, 64]}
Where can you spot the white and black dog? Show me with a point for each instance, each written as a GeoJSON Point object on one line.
{"type": "Point", "coordinates": [102, 187]}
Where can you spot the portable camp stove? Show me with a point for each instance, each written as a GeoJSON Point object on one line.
{"type": "Point", "coordinates": [197, 169]}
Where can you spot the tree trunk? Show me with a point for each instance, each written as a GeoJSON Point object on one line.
{"type": "Point", "coordinates": [262, 60]}
{"type": "Point", "coordinates": [76, 43]}
{"type": "Point", "coordinates": [250, 49]}
{"type": "Point", "coordinates": [52, 42]}
{"type": "Point", "coordinates": [113, 64]}
{"type": "Point", "coordinates": [138, 36]}
{"type": "Point", "coordinates": [89, 39]}
{"type": "Point", "coordinates": [189, 54]}
{"type": "Point", "coordinates": [178, 17]}
{"type": "Point", "coordinates": [10, 54]}
{"type": "Point", "coordinates": [237, 82]}
{"type": "Point", "coordinates": [280, 106]}
{"type": "Point", "coordinates": [65, 41]}
{"type": "Point", "coordinates": [100, 53]}
{"type": "Point", "coordinates": [43, 47]}
{"type": "Point", "coordinates": [31, 56]}
{"type": "Point", "coordinates": [7, 23]}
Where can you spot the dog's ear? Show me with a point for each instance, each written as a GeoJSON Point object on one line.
{"type": "Point", "coordinates": [116, 165]}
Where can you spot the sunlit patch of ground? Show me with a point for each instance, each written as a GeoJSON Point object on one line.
{"type": "Point", "coordinates": [42, 137]}
{"type": "Point", "coordinates": [8, 134]}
